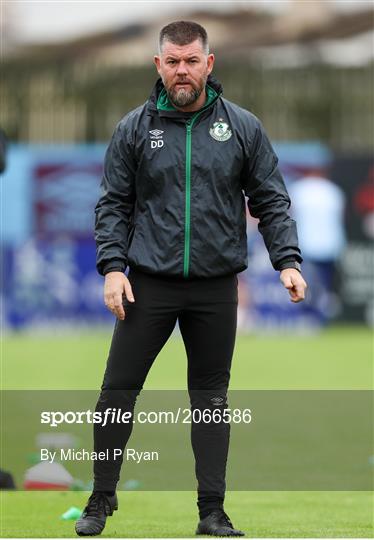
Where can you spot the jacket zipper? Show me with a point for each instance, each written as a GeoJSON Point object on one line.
{"type": "Point", "coordinates": [187, 214]}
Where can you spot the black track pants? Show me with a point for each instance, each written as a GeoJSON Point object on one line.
{"type": "Point", "coordinates": [206, 310]}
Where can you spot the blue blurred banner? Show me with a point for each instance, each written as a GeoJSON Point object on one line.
{"type": "Point", "coordinates": [52, 284]}
{"type": "Point", "coordinates": [65, 193]}
{"type": "Point", "coordinates": [48, 191]}
{"type": "Point", "coordinates": [49, 277]}
{"type": "Point", "coordinates": [264, 304]}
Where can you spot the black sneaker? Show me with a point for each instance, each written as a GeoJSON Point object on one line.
{"type": "Point", "coordinates": [99, 507]}
{"type": "Point", "coordinates": [217, 523]}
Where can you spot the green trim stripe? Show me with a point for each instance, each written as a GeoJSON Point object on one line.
{"type": "Point", "coordinates": [212, 96]}
{"type": "Point", "coordinates": [187, 213]}
{"type": "Point", "coordinates": [187, 218]}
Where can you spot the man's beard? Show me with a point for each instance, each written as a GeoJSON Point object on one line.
{"type": "Point", "coordinates": [183, 97]}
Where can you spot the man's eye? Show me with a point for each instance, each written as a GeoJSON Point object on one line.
{"type": "Point", "coordinates": [171, 62]}
{"type": "Point", "coordinates": [193, 61]}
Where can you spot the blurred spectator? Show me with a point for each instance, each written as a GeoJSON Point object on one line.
{"type": "Point", "coordinates": [318, 206]}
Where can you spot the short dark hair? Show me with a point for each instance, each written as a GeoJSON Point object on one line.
{"type": "Point", "coordinates": [183, 33]}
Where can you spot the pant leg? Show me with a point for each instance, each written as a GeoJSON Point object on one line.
{"type": "Point", "coordinates": [208, 327]}
{"type": "Point", "coordinates": [135, 344]}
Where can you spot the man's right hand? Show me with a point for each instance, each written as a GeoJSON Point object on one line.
{"type": "Point", "coordinates": [115, 287]}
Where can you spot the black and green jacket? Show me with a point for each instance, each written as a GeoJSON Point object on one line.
{"type": "Point", "coordinates": [174, 187]}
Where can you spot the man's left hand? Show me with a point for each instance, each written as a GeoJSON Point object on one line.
{"type": "Point", "coordinates": [294, 282]}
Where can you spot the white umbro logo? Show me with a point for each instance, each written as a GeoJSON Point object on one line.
{"type": "Point", "coordinates": [217, 400]}
{"type": "Point", "coordinates": [156, 132]}
{"type": "Point", "coordinates": [156, 138]}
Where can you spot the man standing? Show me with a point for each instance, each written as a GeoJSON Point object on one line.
{"type": "Point", "coordinates": [173, 209]}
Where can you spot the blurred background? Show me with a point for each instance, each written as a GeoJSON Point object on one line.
{"type": "Point", "coordinates": [70, 71]}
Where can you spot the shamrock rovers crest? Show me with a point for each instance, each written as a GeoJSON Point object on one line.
{"type": "Point", "coordinates": [220, 131]}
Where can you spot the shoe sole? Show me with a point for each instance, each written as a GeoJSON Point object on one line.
{"type": "Point", "coordinates": [197, 532]}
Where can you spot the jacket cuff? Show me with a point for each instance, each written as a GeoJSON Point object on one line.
{"type": "Point", "coordinates": [290, 262]}
{"type": "Point", "coordinates": [114, 266]}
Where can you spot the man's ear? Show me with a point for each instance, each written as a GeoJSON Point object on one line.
{"type": "Point", "coordinates": [157, 62]}
{"type": "Point", "coordinates": [210, 62]}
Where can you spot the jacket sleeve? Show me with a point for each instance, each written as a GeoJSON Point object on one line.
{"type": "Point", "coordinates": [114, 210]}
{"type": "Point", "coordinates": [269, 201]}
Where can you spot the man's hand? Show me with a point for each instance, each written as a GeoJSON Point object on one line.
{"type": "Point", "coordinates": [294, 282]}
{"type": "Point", "coordinates": [116, 286]}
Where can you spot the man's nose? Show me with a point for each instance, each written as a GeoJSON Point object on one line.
{"type": "Point", "coordinates": [182, 68]}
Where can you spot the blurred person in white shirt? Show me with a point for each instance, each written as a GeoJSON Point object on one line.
{"type": "Point", "coordinates": [318, 205]}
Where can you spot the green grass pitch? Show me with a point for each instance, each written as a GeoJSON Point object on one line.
{"type": "Point", "coordinates": [338, 358]}
{"type": "Point", "coordinates": [172, 514]}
